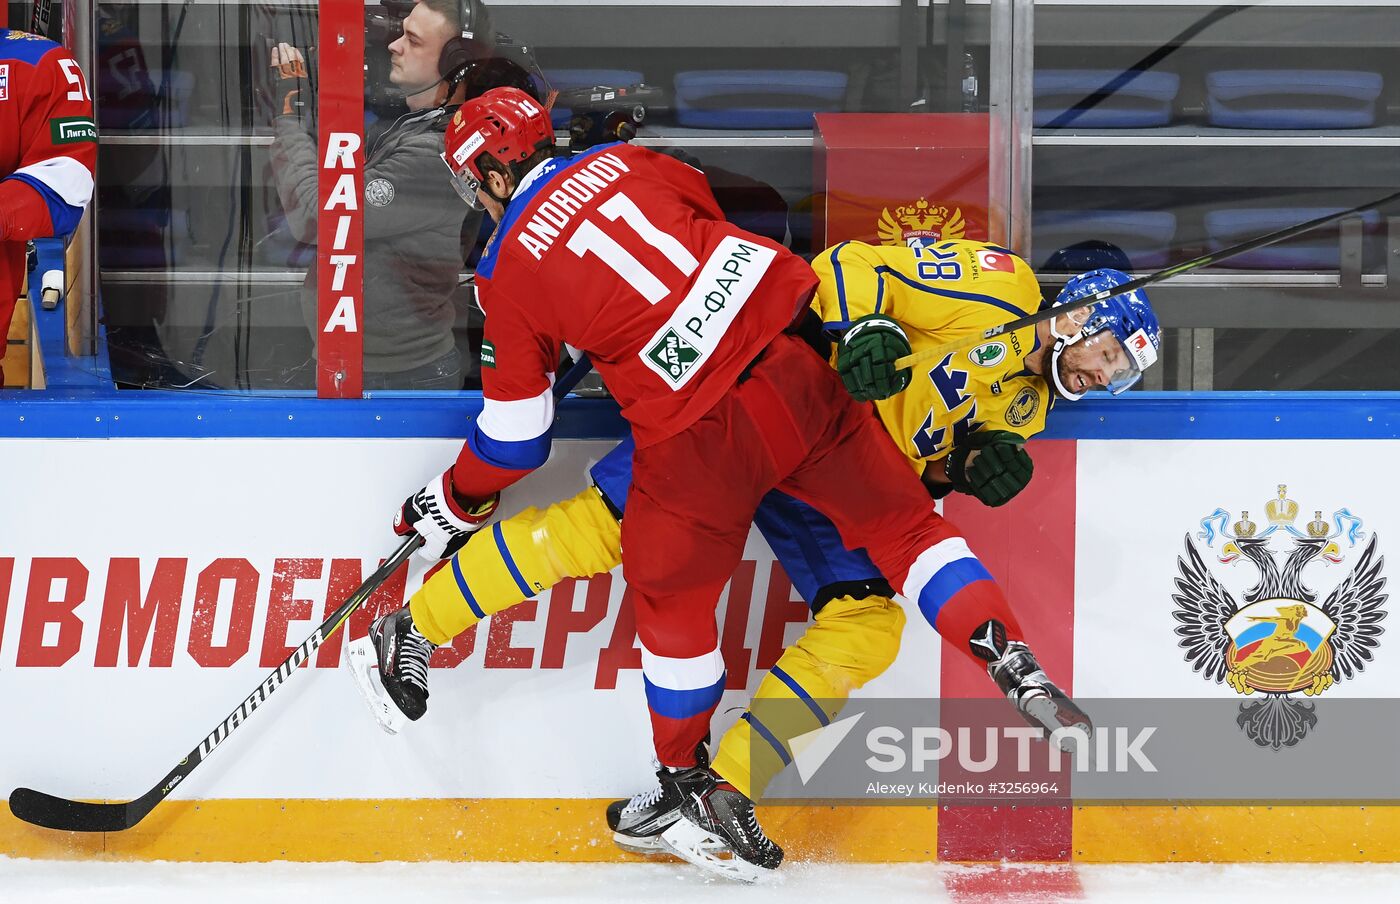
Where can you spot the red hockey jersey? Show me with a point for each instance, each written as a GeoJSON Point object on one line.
{"type": "Point", "coordinates": [48, 151]}
{"type": "Point", "coordinates": [624, 254]}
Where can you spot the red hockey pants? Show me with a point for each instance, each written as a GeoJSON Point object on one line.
{"type": "Point", "coordinates": [790, 426]}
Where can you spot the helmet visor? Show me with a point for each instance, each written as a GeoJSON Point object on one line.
{"type": "Point", "coordinates": [464, 183]}
{"type": "Point", "coordinates": [1124, 376]}
{"type": "Point", "coordinates": [1140, 353]}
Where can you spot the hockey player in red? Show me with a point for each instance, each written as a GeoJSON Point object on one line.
{"type": "Point", "coordinates": [623, 253]}
{"type": "Point", "coordinates": [48, 153]}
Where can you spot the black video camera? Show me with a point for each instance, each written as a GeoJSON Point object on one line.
{"type": "Point", "coordinates": [602, 113]}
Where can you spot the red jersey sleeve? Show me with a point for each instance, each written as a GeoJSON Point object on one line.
{"type": "Point", "coordinates": [513, 433]}
{"type": "Point", "coordinates": [55, 154]}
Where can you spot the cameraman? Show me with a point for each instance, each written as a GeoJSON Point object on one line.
{"type": "Point", "coordinates": [412, 229]}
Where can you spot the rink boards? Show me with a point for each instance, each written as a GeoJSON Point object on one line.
{"type": "Point", "coordinates": [153, 580]}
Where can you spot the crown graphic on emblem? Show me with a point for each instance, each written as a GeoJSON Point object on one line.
{"type": "Point", "coordinates": [920, 220]}
{"type": "Point", "coordinates": [1244, 527]}
{"type": "Point", "coordinates": [1317, 528]}
{"type": "Point", "coordinates": [1281, 511]}
{"type": "Point", "coordinates": [921, 215]}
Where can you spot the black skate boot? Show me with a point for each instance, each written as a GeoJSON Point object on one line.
{"type": "Point", "coordinates": [637, 822]}
{"type": "Point", "coordinates": [1015, 670]}
{"type": "Point", "coordinates": [390, 667]}
{"type": "Point", "coordinates": [715, 813]}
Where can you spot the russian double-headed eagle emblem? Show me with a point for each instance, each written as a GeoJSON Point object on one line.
{"type": "Point", "coordinates": [1281, 641]}
{"type": "Point", "coordinates": [921, 220]}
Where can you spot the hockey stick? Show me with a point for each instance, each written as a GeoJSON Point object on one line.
{"type": "Point", "coordinates": [83, 816]}
{"type": "Point", "coordinates": [1204, 260]}
{"type": "Point", "coordinates": [576, 372]}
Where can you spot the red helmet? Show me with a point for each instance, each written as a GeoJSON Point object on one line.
{"type": "Point", "coordinates": [505, 122]}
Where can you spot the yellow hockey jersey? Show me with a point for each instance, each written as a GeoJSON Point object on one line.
{"type": "Point", "coordinates": [938, 294]}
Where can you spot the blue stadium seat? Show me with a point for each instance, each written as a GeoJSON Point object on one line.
{"type": "Point", "coordinates": [1137, 101]}
{"type": "Point", "coordinates": [1292, 98]}
{"type": "Point", "coordinates": [757, 98]}
{"type": "Point", "coordinates": [1316, 250]}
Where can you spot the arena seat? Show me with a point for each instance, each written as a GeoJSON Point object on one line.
{"type": "Point", "coordinates": [1292, 98]}
{"type": "Point", "coordinates": [1142, 100]}
{"type": "Point", "coordinates": [757, 98]}
{"type": "Point", "coordinates": [1316, 250]}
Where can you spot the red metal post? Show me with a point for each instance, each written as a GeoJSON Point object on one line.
{"type": "Point", "coordinates": [340, 224]}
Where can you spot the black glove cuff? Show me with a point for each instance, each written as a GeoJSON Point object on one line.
{"type": "Point", "coordinates": [955, 469]}
{"type": "Point", "coordinates": [938, 490]}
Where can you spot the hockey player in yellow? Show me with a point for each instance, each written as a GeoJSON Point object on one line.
{"type": "Point", "coordinates": [960, 421]}
{"type": "Point", "coordinates": [929, 296]}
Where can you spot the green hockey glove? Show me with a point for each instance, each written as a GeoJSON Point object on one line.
{"type": "Point", "coordinates": [866, 355]}
{"type": "Point", "coordinates": [1001, 469]}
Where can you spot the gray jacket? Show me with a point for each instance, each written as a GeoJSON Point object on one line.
{"type": "Point", "coordinates": [412, 233]}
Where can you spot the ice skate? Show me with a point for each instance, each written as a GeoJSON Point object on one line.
{"type": "Point", "coordinates": [390, 667]}
{"type": "Point", "coordinates": [1015, 670]}
{"type": "Point", "coordinates": [637, 822]}
{"type": "Point", "coordinates": [714, 818]}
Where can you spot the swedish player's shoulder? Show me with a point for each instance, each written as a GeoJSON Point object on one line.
{"type": "Point", "coordinates": [991, 265]}
{"type": "Point", "coordinates": [989, 257]}
{"type": "Point", "coordinates": [1021, 404]}
{"type": "Point", "coordinates": [830, 261]}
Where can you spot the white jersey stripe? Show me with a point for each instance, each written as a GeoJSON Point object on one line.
{"type": "Point", "coordinates": [682, 674]}
{"type": "Point", "coordinates": [931, 561]}
{"type": "Point", "coordinates": [69, 179]}
{"type": "Point", "coordinates": [513, 422]}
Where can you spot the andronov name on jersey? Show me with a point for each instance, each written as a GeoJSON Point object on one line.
{"type": "Point", "coordinates": [552, 216]}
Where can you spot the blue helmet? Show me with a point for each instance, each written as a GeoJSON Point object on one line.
{"type": "Point", "coordinates": [1128, 317]}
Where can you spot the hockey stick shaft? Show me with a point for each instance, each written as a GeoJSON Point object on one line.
{"type": "Point", "coordinates": [576, 372]}
{"type": "Point", "coordinates": [1195, 263]}
{"type": "Point", "coordinates": [83, 816]}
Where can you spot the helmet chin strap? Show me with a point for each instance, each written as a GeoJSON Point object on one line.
{"type": "Point", "coordinates": [1067, 339]}
{"type": "Point", "coordinates": [1061, 344]}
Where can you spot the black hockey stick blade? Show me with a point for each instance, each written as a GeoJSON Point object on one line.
{"type": "Point", "coordinates": [52, 812]}
{"type": "Point", "coordinates": [1195, 263]}
{"type": "Point", "coordinates": [73, 815]}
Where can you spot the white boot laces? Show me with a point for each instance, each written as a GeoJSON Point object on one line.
{"type": "Point", "coordinates": [643, 800]}
{"type": "Point", "coordinates": [414, 654]}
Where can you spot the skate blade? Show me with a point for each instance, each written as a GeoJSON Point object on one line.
{"type": "Point", "coordinates": [650, 845]}
{"type": "Point", "coordinates": [1068, 738]}
{"type": "Point", "coordinates": [363, 662]}
{"type": "Point", "coordinates": [694, 845]}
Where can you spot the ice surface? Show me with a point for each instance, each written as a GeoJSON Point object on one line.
{"type": "Point", "coordinates": [49, 882]}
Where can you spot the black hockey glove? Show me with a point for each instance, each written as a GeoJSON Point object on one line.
{"type": "Point", "coordinates": [1001, 469]}
{"type": "Point", "coordinates": [865, 358]}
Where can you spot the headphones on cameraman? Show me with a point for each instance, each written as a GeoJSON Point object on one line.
{"type": "Point", "coordinates": [461, 51]}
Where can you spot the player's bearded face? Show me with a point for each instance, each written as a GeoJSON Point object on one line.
{"type": "Point", "coordinates": [1094, 362]}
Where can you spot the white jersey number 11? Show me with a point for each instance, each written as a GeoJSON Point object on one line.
{"type": "Point", "coordinates": [590, 237]}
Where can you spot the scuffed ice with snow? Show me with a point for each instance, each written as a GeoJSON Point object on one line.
{"type": "Point", "coordinates": [49, 882]}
